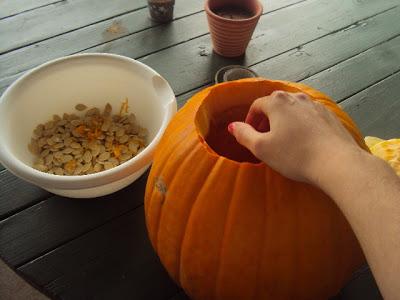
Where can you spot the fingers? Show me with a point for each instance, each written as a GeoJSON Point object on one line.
{"type": "Point", "coordinates": [267, 105]}
{"type": "Point", "coordinates": [301, 97]}
{"type": "Point", "coordinates": [257, 112]}
{"type": "Point", "coordinates": [246, 135]}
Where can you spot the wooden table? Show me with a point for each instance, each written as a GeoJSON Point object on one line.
{"type": "Point", "coordinates": [98, 248]}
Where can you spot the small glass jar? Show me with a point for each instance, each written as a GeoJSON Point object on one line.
{"type": "Point", "coordinates": [161, 10]}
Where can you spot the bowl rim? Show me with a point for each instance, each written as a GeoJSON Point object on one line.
{"type": "Point", "coordinates": [141, 160]}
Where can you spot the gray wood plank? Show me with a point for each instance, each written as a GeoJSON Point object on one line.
{"type": "Point", "coordinates": [58, 18]}
{"type": "Point", "coordinates": [311, 58]}
{"type": "Point", "coordinates": [315, 56]}
{"type": "Point", "coordinates": [12, 7]}
{"type": "Point", "coordinates": [376, 110]}
{"type": "Point", "coordinates": [72, 42]}
{"type": "Point", "coordinates": [139, 37]}
{"type": "Point", "coordinates": [57, 220]}
{"type": "Point", "coordinates": [193, 64]}
{"type": "Point", "coordinates": [268, 41]}
{"type": "Point", "coordinates": [114, 261]}
{"type": "Point", "coordinates": [16, 194]}
{"type": "Point", "coordinates": [359, 72]}
{"type": "Point", "coordinates": [303, 62]}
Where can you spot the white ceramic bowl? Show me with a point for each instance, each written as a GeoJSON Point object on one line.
{"type": "Point", "coordinates": [92, 79]}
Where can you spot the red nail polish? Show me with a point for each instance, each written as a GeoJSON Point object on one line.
{"type": "Point", "coordinates": [230, 127]}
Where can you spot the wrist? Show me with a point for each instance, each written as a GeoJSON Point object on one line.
{"type": "Point", "coordinates": [340, 164]}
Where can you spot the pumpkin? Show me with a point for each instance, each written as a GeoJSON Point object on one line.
{"type": "Point", "coordinates": [227, 226]}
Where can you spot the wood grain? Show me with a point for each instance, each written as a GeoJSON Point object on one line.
{"type": "Point", "coordinates": [193, 63]}
{"type": "Point", "coordinates": [132, 34]}
{"type": "Point", "coordinates": [359, 72]}
{"type": "Point", "coordinates": [10, 8]}
{"type": "Point", "coordinates": [313, 57]}
{"type": "Point", "coordinates": [16, 194]}
{"type": "Point", "coordinates": [197, 56]}
{"type": "Point", "coordinates": [309, 59]}
{"type": "Point", "coordinates": [376, 110]}
{"type": "Point", "coordinates": [57, 220]}
{"type": "Point", "coordinates": [114, 261]}
{"type": "Point", "coordinates": [58, 18]}
{"type": "Point", "coordinates": [89, 36]}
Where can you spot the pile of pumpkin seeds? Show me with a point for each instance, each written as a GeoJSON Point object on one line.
{"type": "Point", "coordinates": [87, 144]}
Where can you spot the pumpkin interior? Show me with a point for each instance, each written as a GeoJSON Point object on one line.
{"type": "Point", "coordinates": [213, 118]}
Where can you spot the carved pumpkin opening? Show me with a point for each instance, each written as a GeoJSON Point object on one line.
{"type": "Point", "coordinates": [212, 120]}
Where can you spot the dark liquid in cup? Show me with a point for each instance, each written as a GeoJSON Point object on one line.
{"type": "Point", "coordinates": [233, 13]}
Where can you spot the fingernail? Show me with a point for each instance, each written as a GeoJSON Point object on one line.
{"type": "Point", "coordinates": [231, 127]}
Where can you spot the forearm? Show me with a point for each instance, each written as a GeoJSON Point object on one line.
{"type": "Point", "coordinates": [368, 193]}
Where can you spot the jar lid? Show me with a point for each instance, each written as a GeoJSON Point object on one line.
{"type": "Point", "coordinates": [234, 72]}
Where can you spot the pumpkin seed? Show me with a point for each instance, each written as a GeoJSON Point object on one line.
{"type": "Point", "coordinates": [87, 156]}
{"type": "Point", "coordinates": [97, 167]}
{"type": "Point", "coordinates": [120, 132]}
{"type": "Point", "coordinates": [80, 107]}
{"type": "Point", "coordinates": [78, 169]}
{"type": "Point", "coordinates": [48, 159]}
{"type": "Point", "coordinates": [58, 146]}
{"type": "Point", "coordinates": [68, 150]}
{"type": "Point", "coordinates": [76, 152]}
{"type": "Point", "coordinates": [66, 158]}
{"type": "Point", "coordinates": [40, 167]}
{"type": "Point", "coordinates": [125, 157]}
{"type": "Point", "coordinates": [86, 167]}
{"type": "Point", "coordinates": [73, 145]}
{"type": "Point", "coordinates": [104, 156]}
{"type": "Point", "coordinates": [76, 122]}
{"type": "Point", "coordinates": [107, 109]}
{"type": "Point", "coordinates": [59, 155]}
{"type": "Point", "coordinates": [44, 153]}
{"type": "Point", "coordinates": [123, 139]}
{"type": "Point", "coordinates": [114, 161]}
{"type": "Point", "coordinates": [133, 146]}
{"type": "Point", "coordinates": [96, 151]}
{"type": "Point", "coordinates": [49, 125]}
{"type": "Point", "coordinates": [92, 111]}
{"type": "Point", "coordinates": [58, 171]}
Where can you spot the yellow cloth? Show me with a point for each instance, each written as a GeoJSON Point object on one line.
{"type": "Point", "coordinates": [388, 150]}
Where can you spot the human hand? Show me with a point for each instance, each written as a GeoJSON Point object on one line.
{"type": "Point", "coordinates": [303, 135]}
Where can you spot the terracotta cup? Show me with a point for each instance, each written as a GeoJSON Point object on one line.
{"type": "Point", "coordinates": [161, 10]}
{"type": "Point", "coordinates": [231, 24]}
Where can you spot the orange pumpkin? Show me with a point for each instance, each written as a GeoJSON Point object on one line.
{"type": "Point", "coordinates": [228, 227]}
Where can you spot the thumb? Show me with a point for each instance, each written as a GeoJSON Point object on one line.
{"type": "Point", "coordinates": [245, 135]}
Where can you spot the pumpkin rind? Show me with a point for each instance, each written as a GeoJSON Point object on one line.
{"type": "Point", "coordinates": [229, 230]}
